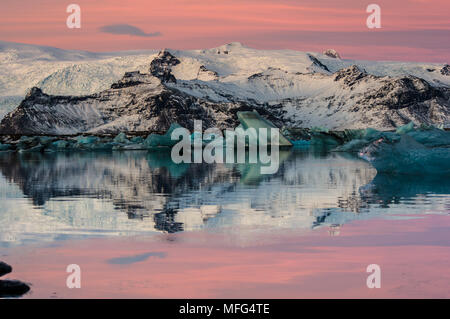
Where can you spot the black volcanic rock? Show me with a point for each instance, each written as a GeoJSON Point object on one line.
{"type": "Point", "coordinates": [161, 66]}
{"type": "Point", "coordinates": [404, 92]}
{"type": "Point", "coordinates": [13, 288]}
{"type": "Point", "coordinates": [332, 54]}
{"type": "Point", "coordinates": [4, 268]}
{"type": "Point", "coordinates": [129, 79]}
{"type": "Point", "coordinates": [350, 75]}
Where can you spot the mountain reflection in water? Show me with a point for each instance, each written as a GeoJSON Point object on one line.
{"type": "Point", "coordinates": [55, 196]}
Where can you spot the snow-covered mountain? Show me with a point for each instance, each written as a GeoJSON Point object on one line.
{"type": "Point", "coordinates": [298, 88]}
{"type": "Point", "coordinates": [57, 71]}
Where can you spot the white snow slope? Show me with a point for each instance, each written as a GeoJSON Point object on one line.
{"type": "Point", "coordinates": [283, 76]}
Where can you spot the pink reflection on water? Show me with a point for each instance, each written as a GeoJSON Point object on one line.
{"type": "Point", "coordinates": [413, 255]}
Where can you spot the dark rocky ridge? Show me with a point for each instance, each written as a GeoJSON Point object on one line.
{"type": "Point", "coordinates": [317, 63]}
{"type": "Point", "coordinates": [331, 53]}
{"type": "Point", "coordinates": [138, 102]}
{"type": "Point", "coordinates": [350, 75]}
{"type": "Point", "coordinates": [161, 66]}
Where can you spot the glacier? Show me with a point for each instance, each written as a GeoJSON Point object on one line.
{"type": "Point", "coordinates": [302, 89]}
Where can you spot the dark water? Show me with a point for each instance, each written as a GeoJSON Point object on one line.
{"type": "Point", "coordinates": [141, 226]}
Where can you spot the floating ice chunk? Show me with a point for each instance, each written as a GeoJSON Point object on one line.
{"type": "Point", "coordinates": [407, 156]}
{"type": "Point", "coordinates": [352, 146]}
{"type": "Point", "coordinates": [60, 145]}
{"type": "Point", "coordinates": [46, 140]}
{"type": "Point", "coordinates": [26, 142]}
{"type": "Point", "coordinates": [137, 140]}
{"type": "Point", "coordinates": [405, 128]}
{"type": "Point", "coordinates": [121, 138]}
{"type": "Point", "coordinates": [357, 139]}
{"type": "Point", "coordinates": [431, 137]}
{"type": "Point", "coordinates": [156, 140]}
{"type": "Point", "coordinates": [300, 143]}
{"type": "Point", "coordinates": [256, 121]}
{"type": "Point", "coordinates": [324, 139]}
{"type": "Point", "coordinates": [86, 140]}
{"type": "Point", "coordinates": [37, 148]}
{"type": "Point", "coordinates": [5, 147]}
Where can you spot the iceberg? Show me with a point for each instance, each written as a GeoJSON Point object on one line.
{"type": "Point", "coordinates": [5, 147]}
{"type": "Point", "coordinates": [121, 138]}
{"type": "Point", "coordinates": [431, 136]}
{"type": "Point", "coordinates": [405, 128]}
{"type": "Point", "coordinates": [157, 140]}
{"type": "Point", "coordinates": [60, 145]}
{"type": "Point", "coordinates": [357, 139]}
{"type": "Point", "coordinates": [324, 139]}
{"type": "Point", "coordinates": [137, 140]}
{"type": "Point", "coordinates": [406, 156]}
{"type": "Point", "coordinates": [86, 142]}
{"type": "Point", "coordinates": [408, 150]}
{"type": "Point", "coordinates": [37, 148]}
{"type": "Point", "coordinates": [300, 143]}
{"type": "Point", "coordinates": [26, 142]}
{"type": "Point", "coordinates": [256, 121]}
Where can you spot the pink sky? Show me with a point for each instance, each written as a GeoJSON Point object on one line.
{"type": "Point", "coordinates": [411, 29]}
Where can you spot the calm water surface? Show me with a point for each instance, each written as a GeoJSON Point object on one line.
{"type": "Point", "coordinates": [141, 226]}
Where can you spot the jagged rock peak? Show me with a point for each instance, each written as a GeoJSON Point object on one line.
{"type": "Point", "coordinates": [135, 78]}
{"type": "Point", "coordinates": [161, 66]}
{"type": "Point", "coordinates": [316, 62]}
{"type": "Point", "coordinates": [350, 75]}
{"type": "Point", "coordinates": [165, 55]}
{"type": "Point", "coordinates": [445, 70]}
{"type": "Point", "coordinates": [205, 74]}
{"type": "Point", "coordinates": [331, 53]}
{"type": "Point", "coordinates": [34, 91]}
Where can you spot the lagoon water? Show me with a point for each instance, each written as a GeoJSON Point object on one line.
{"type": "Point", "coordinates": [141, 226]}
